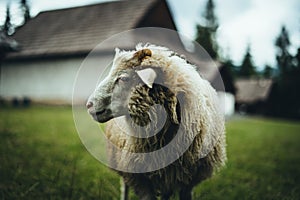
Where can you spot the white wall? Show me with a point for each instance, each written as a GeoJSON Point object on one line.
{"type": "Point", "coordinates": [227, 104]}
{"type": "Point", "coordinates": [48, 80]}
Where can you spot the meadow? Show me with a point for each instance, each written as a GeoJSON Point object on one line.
{"type": "Point", "coordinates": [42, 157]}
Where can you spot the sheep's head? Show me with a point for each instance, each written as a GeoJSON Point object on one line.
{"type": "Point", "coordinates": [127, 90]}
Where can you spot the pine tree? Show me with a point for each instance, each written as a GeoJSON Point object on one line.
{"type": "Point", "coordinates": [284, 98]}
{"type": "Point", "coordinates": [25, 10]}
{"type": "Point", "coordinates": [247, 68]}
{"type": "Point", "coordinates": [210, 17]}
{"type": "Point", "coordinates": [205, 40]}
{"type": "Point", "coordinates": [228, 76]}
{"type": "Point", "coordinates": [206, 34]}
{"type": "Point", "coordinates": [297, 58]}
{"type": "Point", "coordinates": [283, 56]}
{"type": "Point", "coordinates": [268, 72]}
{"type": "Point", "coordinates": [7, 26]}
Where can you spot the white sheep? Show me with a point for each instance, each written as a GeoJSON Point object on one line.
{"type": "Point", "coordinates": [153, 99]}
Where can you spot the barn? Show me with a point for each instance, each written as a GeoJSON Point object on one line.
{"type": "Point", "coordinates": [54, 44]}
{"type": "Point", "coordinates": [252, 95]}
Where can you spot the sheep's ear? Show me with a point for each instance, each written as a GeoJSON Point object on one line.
{"type": "Point", "coordinates": [147, 75]}
{"type": "Point", "coordinates": [141, 54]}
{"type": "Point", "coordinates": [117, 51]}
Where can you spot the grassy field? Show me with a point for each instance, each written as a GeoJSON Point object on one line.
{"type": "Point", "coordinates": [41, 157]}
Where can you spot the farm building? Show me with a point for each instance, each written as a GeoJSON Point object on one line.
{"type": "Point", "coordinates": [252, 95]}
{"type": "Point", "coordinates": [55, 43]}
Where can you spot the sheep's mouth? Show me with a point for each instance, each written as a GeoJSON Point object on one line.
{"type": "Point", "coordinates": [102, 115]}
{"type": "Point", "coordinates": [100, 112]}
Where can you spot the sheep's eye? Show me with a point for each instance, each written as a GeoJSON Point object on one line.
{"type": "Point", "coordinates": [123, 78]}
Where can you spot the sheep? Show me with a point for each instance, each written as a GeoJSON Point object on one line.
{"type": "Point", "coordinates": [152, 87]}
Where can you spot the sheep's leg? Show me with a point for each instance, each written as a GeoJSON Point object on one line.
{"type": "Point", "coordinates": [185, 193]}
{"type": "Point", "coordinates": [146, 194]}
{"type": "Point", "coordinates": [124, 190]}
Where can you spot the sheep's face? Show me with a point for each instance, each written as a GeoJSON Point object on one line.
{"type": "Point", "coordinates": [111, 98]}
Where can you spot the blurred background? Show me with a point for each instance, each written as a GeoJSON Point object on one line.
{"type": "Point", "coordinates": [255, 45]}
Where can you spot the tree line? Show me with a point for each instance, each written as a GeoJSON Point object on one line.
{"type": "Point", "coordinates": [8, 28]}
{"type": "Point", "coordinates": [284, 97]}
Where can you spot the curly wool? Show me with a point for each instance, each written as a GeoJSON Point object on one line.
{"type": "Point", "coordinates": [200, 118]}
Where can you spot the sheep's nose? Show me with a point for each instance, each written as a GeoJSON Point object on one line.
{"type": "Point", "coordinates": [89, 104]}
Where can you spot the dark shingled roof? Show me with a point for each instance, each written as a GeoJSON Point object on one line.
{"type": "Point", "coordinates": [77, 30]}
{"type": "Point", "coordinates": [252, 90]}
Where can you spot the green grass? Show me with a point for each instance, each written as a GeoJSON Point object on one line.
{"type": "Point", "coordinates": [263, 162]}
{"type": "Point", "coordinates": [41, 157]}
